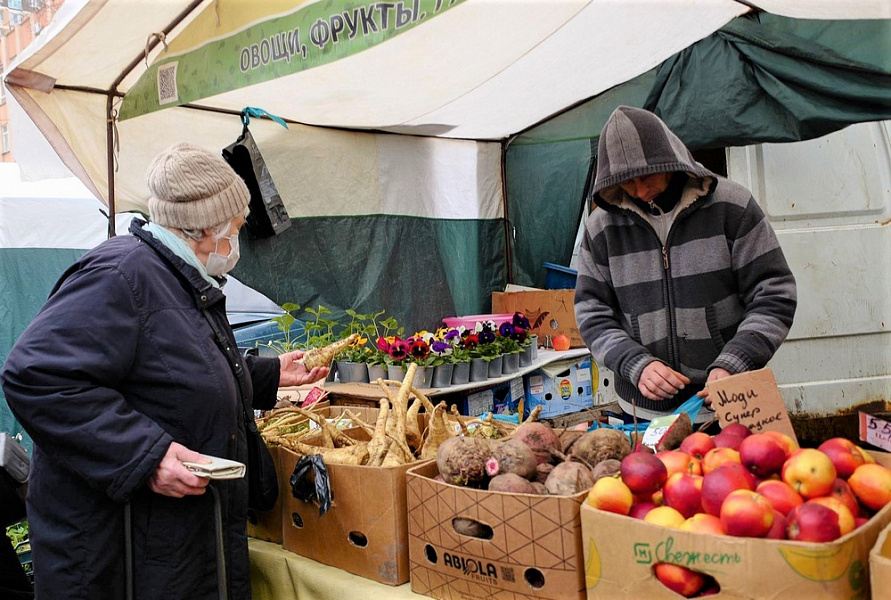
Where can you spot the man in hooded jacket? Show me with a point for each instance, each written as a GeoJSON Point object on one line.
{"type": "Point", "coordinates": [681, 278]}
{"type": "Point", "coordinates": [119, 379]}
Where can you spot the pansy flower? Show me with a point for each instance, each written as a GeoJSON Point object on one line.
{"type": "Point", "coordinates": [441, 348]}
{"type": "Point", "coordinates": [399, 349]}
{"type": "Point", "coordinates": [505, 329]}
{"type": "Point", "coordinates": [471, 341]}
{"type": "Point", "coordinates": [520, 320]}
{"type": "Point", "coordinates": [418, 348]}
{"type": "Point", "coordinates": [519, 334]}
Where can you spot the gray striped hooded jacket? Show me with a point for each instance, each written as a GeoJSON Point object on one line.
{"type": "Point", "coordinates": [718, 294]}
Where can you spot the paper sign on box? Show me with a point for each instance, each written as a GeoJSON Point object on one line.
{"type": "Point", "coordinates": [753, 399]}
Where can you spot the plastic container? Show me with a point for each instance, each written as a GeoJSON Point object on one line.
{"type": "Point", "coordinates": [470, 321]}
{"type": "Point", "coordinates": [559, 278]}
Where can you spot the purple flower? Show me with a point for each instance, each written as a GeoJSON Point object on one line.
{"type": "Point", "coordinates": [506, 330]}
{"type": "Point", "coordinates": [520, 320]}
{"type": "Point", "coordinates": [441, 348]}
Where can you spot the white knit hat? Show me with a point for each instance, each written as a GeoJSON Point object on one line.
{"type": "Point", "coordinates": [194, 189]}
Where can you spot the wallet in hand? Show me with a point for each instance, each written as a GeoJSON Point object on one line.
{"type": "Point", "coordinates": [218, 468]}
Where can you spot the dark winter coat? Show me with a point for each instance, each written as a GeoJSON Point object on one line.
{"type": "Point", "coordinates": [719, 293]}
{"type": "Point", "coordinates": [119, 363]}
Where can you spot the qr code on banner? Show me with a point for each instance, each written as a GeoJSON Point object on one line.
{"type": "Point", "coordinates": [167, 91]}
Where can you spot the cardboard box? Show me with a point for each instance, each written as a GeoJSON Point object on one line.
{"type": "Point", "coordinates": [500, 398]}
{"type": "Point", "coordinates": [533, 550]}
{"type": "Point", "coordinates": [620, 553]}
{"type": "Point", "coordinates": [365, 531]}
{"type": "Point", "coordinates": [880, 563]}
{"type": "Point", "coordinates": [560, 387]}
{"type": "Point", "coordinates": [550, 312]}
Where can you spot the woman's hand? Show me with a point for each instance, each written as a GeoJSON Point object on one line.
{"type": "Point", "coordinates": [658, 381]}
{"type": "Point", "coordinates": [295, 373]}
{"type": "Point", "coordinates": [171, 478]}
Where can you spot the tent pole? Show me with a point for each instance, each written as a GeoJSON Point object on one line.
{"type": "Point", "coordinates": [109, 144]}
{"type": "Point", "coordinates": [110, 116]}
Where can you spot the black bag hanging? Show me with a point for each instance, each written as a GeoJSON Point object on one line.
{"type": "Point", "coordinates": [268, 216]}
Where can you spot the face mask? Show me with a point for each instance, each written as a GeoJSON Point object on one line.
{"type": "Point", "coordinates": [218, 264]}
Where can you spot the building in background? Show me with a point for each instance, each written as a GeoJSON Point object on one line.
{"type": "Point", "coordinates": [21, 21]}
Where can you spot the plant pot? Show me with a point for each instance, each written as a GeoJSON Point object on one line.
{"type": "Point", "coordinates": [510, 363]}
{"type": "Point", "coordinates": [461, 373]}
{"type": "Point", "coordinates": [332, 372]}
{"type": "Point", "coordinates": [526, 356]}
{"type": "Point", "coordinates": [376, 372]}
{"type": "Point", "coordinates": [495, 366]}
{"type": "Point", "coordinates": [442, 375]}
{"type": "Point", "coordinates": [479, 369]}
{"type": "Point", "coordinates": [534, 347]}
{"type": "Point", "coordinates": [352, 372]}
{"type": "Point", "coordinates": [422, 375]}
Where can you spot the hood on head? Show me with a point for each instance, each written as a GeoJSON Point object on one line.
{"type": "Point", "coordinates": [633, 143]}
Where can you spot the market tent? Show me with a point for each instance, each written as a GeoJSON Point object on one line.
{"type": "Point", "coordinates": [435, 150]}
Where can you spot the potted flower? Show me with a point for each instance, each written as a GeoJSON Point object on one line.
{"type": "Point", "coordinates": [459, 357]}
{"type": "Point", "coordinates": [384, 332]}
{"type": "Point", "coordinates": [527, 340]}
{"type": "Point", "coordinates": [351, 362]}
{"type": "Point", "coordinates": [441, 360]}
{"type": "Point", "coordinates": [507, 339]}
{"type": "Point", "coordinates": [488, 348]}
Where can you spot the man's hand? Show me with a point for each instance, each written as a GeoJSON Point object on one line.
{"type": "Point", "coordinates": [713, 375]}
{"type": "Point", "coordinates": [659, 381]}
{"type": "Point", "coordinates": [171, 478]}
{"type": "Point", "coordinates": [295, 373]}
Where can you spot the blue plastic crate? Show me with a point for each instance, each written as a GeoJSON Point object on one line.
{"type": "Point", "coordinates": [558, 277]}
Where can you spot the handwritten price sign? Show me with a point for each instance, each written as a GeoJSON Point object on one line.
{"type": "Point", "coordinates": [753, 399]}
{"type": "Point", "coordinates": [875, 431]}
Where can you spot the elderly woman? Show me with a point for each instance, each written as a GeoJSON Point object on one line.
{"type": "Point", "coordinates": [120, 379]}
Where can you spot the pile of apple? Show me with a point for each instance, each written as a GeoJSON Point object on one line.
{"type": "Point", "coordinates": [748, 484]}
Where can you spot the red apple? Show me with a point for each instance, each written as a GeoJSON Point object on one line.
{"type": "Point", "coordinates": [809, 472]}
{"type": "Point", "coordinates": [717, 457]}
{"type": "Point", "coordinates": [640, 509]}
{"type": "Point", "coordinates": [684, 493]}
{"type": "Point", "coordinates": [780, 495]}
{"type": "Point", "coordinates": [697, 444]}
{"type": "Point", "coordinates": [812, 522]}
{"type": "Point", "coordinates": [762, 455]}
{"type": "Point", "coordinates": [665, 516]}
{"type": "Point", "coordinates": [703, 523]}
{"type": "Point", "coordinates": [745, 513]}
{"type": "Point", "coordinates": [844, 454]}
{"type": "Point", "coordinates": [846, 522]}
{"type": "Point", "coordinates": [841, 491]}
{"type": "Point", "coordinates": [720, 482]}
{"type": "Point", "coordinates": [680, 462]}
{"type": "Point", "coordinates": [736, 429]}
{"type": "Point", "coordinates": [643, 473]}
{"type": "Point", "coordinates": [871, 483]}
{"type": "Point", "coordinates": [678, 579]}
{"type": "Point", "coordinates": [778, 529]}
{"type": "Point", "coordinates": [610, 494]}
{"type": "Point", "coordinates": [788, 443]}
{"type": "Point", "coordinates": [858, 521]}
{"type": "Point", "coordinates": [727, 440]}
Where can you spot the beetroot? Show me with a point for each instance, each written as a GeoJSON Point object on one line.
{"type": "Point", "coordinates": [601, 444]}
{"type": "Point", "coordinates": [512, 484]}
{"type": "Point", "coordinates": [462, 460]}
{"type": "Point", "coordinates": [540, 438]}
{"type": "Point", "coordinates": [607, 468]}
{"type": "Point", "coordinates": [512, 456]}
{"type": "Point", "coordinates": [569, 478]}
{"type": "Point", "coordinates": [542, 471]}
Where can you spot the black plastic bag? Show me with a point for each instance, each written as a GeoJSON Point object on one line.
{"type": "Point", "coordinates": [310, 482]}
{"type": "Point", "coordinates": [268, 216]}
